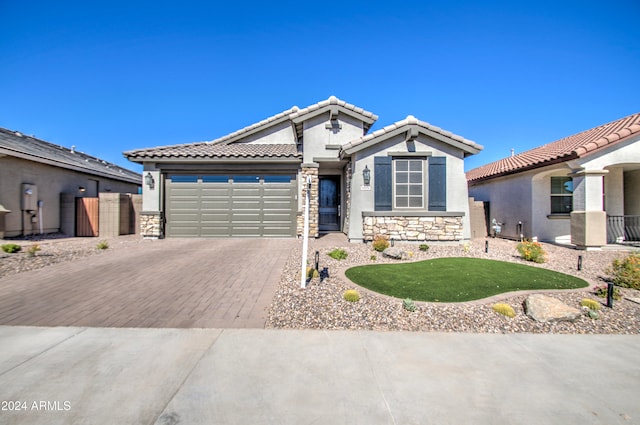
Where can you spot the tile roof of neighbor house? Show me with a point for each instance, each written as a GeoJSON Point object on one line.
{"type": "Point", "coordinates": [466, 144]}
{"type": "Point", "coordinates": [294, 115]}
{"type": "Point", "coordinates": [575, 146]}
{"type": "Point", "coordinates": [208, 150]}
{"type": "Point", "coordinates": [14, 143]}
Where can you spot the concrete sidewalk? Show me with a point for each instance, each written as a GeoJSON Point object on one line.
{"type": "Point", "coordinates": [251, 376]}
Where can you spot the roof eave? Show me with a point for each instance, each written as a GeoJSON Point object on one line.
{"type": "Point", "coordinates": [542, 164]}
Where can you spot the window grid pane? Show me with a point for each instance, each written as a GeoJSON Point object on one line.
{"type": "Point", "coordinates": [408, 183]}
{"type": "Point", "coordinates": [561, 195]}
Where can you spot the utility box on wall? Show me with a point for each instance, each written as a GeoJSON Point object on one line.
{"type": "Point", "coordinates": [29, 197]}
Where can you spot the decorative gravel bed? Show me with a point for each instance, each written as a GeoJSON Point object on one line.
{"type": "Point", "coordinates": [321, 306]}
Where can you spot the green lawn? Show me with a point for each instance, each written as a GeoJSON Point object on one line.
{"type": "Point", "coordinates": [457, 279]}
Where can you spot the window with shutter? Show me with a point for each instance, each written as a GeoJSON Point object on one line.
{"type": "Point", "coordinates": [438, 183]}
{"type": "Point", "coordinates": [382, 183]}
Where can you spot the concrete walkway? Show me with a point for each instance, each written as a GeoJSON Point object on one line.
{"type": "Point", "coordinates": [171, 283]}
{"type": "Point", "coordinates": [251, 376]}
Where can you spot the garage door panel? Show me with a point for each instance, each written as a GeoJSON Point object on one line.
{"type": "Point", "coordinates": [215, 206]}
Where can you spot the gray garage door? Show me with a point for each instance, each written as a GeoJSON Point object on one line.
{"type": "Point", "coordinates": [231, 205]}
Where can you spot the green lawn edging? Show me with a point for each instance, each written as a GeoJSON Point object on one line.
{"type": "Point", "coordinates": [457, 279]}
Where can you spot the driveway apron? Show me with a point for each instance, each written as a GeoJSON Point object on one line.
{"type": "Point", "coordinates": [171, 283]}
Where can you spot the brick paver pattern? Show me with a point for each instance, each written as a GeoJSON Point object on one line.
{"type": "Point", "coordinates": [172, 283]}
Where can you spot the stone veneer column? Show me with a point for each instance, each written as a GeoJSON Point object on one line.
{"type": "Point", "coordinates": [309, 170]}
{"type": "Point", "coordinates": [151, 225]}
{"type": "Point", "coordinates": [348, 169]}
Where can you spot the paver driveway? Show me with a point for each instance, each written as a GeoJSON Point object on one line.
{"type": "Point", "coordinates": [171, 283]}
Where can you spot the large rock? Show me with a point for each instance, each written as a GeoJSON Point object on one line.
{"type": "Point", "coordinates": [542, 308]}
{"type": "Point", "coordinates": [396, 253]}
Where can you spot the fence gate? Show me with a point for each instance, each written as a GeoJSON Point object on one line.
{"type": "Point", "coordinates": [87, 213]}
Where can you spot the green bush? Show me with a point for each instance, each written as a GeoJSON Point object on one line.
{"type": "Point", "coordinates": [102, 245]}
{"type": "Point", "coordinates": [374, 258]}
{"type": "Point", "coordinates": [424, 247]}
{"type": "Point", "coordinates": [380, 243]}
{"type": "Point", "coordinates": [409, 305]}
{"type": "Point", "coordinates": [338, 254]}
{"type": "Point", "coordinates": [312, 273]}
{"type": "Point", "coordinates": [351, 295]}
{"type": "Point", "coordinates": [532, 251]}
{"type": "Point", "coordinates": [626, 272]}
{"type": "Point", "coordinates": [601, 291]}
{"type": "Point", "coordinates": [504, 309]}
{"type": "Point", "coordinates": [592, 304]}
{"type": "Point", "coordinates": [11, 248]}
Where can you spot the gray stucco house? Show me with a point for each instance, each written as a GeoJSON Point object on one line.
{"type": "Point", "coordinates": [405, 181]}
{"type": "Point", "coordinates": [40, 183]}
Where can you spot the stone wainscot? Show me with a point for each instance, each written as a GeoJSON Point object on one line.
{"type": "Point", "coordinates": [429, 226]}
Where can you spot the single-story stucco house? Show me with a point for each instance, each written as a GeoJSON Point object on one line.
{"type": "Point", "coordinates": [405, 181]}
{"type": "Point", "coordinates": [583, 189]}
{"type": "Point", "coordinates": [40, 182]}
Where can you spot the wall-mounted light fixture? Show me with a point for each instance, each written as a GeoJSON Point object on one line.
{"type": "Point", "coordinates": [366, 175]}
{"type": "Point", "coordinates": [82, 188]}
{"type": "Point", "coordinates": [149, 181]}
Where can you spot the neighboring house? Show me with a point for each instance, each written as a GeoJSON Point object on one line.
{"type": "Point", "coordinates": [583, 189]}
{"type": "Point", "coordinates": [405, 181]}
{"type": "Point", "coordinates": [39, 182]}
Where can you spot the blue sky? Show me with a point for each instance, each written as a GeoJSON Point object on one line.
{"type": "Point", "coordinates": [110, 76]}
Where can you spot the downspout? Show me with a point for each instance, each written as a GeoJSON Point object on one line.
{"type": "Point", "coordinates": [40, 205]}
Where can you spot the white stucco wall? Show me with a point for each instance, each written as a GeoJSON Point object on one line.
{"type": "Point", "coordinates": [363, 200]}
{"type": "Point", "coordinates": [510, 201]}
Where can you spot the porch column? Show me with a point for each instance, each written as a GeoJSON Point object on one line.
{"type": "Point", "coordinates": [588, 219]}
{"type": "Point", "coordinates": [151, 217]}
{"type": "Point", "coordinates": [310, 169]}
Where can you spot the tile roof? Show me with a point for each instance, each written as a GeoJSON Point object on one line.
{"type": "Point", "coordinates": [210, 150]}
{"type": "Point", "coordinates": [468, 145]}
{"type": "Point", "coordinates": [575, 146]}
{"type": "Point", "coordinates": [14, 143]}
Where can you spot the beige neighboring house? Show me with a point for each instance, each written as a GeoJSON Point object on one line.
{"type": "Point", "coordinates": [40, 181]}
{"type": "Point", "coordinates": [582, 190]}
{"type": "Point", "coordinates": [405, 181]}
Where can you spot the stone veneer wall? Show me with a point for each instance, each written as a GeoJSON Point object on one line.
{"type": "Point", "coordinates": [408, 228]}
{"type": "Point", "coordinates": [313, 204]}
{"type": "Point", "coordinates": [347, 196]}
{"type": "Point", "coordinates": [151, 225]}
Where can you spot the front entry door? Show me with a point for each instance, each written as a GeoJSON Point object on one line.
{"type": "Point", "coordinates": [329, 207]}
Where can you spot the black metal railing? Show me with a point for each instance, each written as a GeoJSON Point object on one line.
{"type": "Point", "coordinates": [623, 228]}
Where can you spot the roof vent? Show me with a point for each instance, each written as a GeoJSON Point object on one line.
{"type": "Point", "coordinates": [513, 152]}
{"type": "Point", "coordinates": [18, 134]}
{"type": "Point", "coordinates": [73, 149]}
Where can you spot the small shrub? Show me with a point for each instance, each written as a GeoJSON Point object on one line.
{"type": "Point", "coordinates": [338, 254]}
{"type": "Point", "coordinates": [626, 272]}
{"type": "Point", "coordinates": [351, 295]}
{"type": "Point", "coordinates": [11, 248]}
{"type": "Point", "coordinates": [312, 273]}
{"type": "Point", "coordinates": [102, 245]}
{"type": "Point", "coordinates": [409, 305]}
{"type": "Point", "coordinates": [466, 247]}
{"type": "Point", "coordinates": [380, 243]}
{"type": "Point", "coordinates": [424, 247]}
{"type": "Point", "coordinates": [601, 291]}
{"type": "Point", "coordinates": [504, 309]}
{"type": "Point", "coordinates": [33, 249]}
{"type": "Point", "coordinates": [593, 314]}
{"type": "Point", "coordinates": [374, 258]}
{"type": "Point", "coordinates": [532, 251]}
{"type": "Point", "coordinates": [592, 304]}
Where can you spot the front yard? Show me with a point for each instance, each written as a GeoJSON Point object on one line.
{"type": "Point", "coordinates": [321, 306]}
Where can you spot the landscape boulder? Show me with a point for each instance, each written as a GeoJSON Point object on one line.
{"type": "Point", "coordinates": [395, 253]}
{"type": "Point", "coordinates": [542, 308]}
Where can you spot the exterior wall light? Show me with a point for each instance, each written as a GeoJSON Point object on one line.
{"type": "Point", "coordinates": [366, 175]}
{"type": "Point", "coordinates": [149, 181]}
{"type": "Point", "coordinates": [82, 188]}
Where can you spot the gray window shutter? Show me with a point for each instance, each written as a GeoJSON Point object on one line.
{"type": "Point", "coordinates": [438, 183]}
{"type": "Point", "coordinates": [382, 183]}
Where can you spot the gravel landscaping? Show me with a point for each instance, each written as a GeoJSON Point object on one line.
{"type": "Point", "coordinates": [321, 306]}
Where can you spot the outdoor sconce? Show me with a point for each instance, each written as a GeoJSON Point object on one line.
{"type": "Point", "coordinates": [366, 175]}
{"type": "Point", "coordinates": [149, 181]}
{"type": "Point", "coordinates": [81, 188]}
